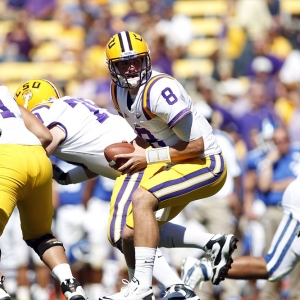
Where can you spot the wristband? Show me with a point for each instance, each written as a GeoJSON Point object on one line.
{"type": "Point", "coordinates": [77, 175]}
{"type": "Point", "coordinates": [157, 155]}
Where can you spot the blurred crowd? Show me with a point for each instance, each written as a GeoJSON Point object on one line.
{"type": "Point", "coordinates": [250, 93]}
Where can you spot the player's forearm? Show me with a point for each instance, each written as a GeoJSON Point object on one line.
{"type": "Point", "coordinates": [58, 136]}
{"type": "Point", "coordinates": [179, 152]}
{"type": "Point", "coordinates": [36, 127]}
{"type": "Point", "coordinates": [248, 267]}
{"type": "Point", "coordinates": [185, 150]}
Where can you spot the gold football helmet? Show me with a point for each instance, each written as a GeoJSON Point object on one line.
{"type": "Point", "coordinates": [127, 45]}
{"type": "Point", "coordinates": [35, 91]}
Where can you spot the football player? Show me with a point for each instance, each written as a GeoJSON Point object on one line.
{"type": "Point", "coordinates": [183, 164]}
{"type": "Point", "coordinates": [282, 257]}
{"type": "Point", "coordinates": [81, 130]}
{"type": "Point", "coordinates": [26, 182]}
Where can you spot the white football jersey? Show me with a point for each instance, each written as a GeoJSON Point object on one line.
{"type": "Point", "coordinates": [13, 129]}
{"type": "Point", "coordinates": [89, 129]}
{"type": "Point", "coordinates": [284, 252]}
{"type": "Point", "coordinates": [158, 107]}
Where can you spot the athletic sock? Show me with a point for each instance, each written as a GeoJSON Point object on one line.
{"type": "Point", "coordinates": [144, 263]}
{"type": "Point", "coordinates": [163, 272]}
{"type": "Point", "coordinates": [62, 272]}
{"type": "Point", "coordinates": [176, 236]}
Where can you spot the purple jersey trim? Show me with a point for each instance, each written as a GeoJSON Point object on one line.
{"type": "Point", "coordinates": [178, 117]}
{"type": "Point", "coordinates": [53, 124]}
{"type": "Point", "coordinates": [113, 91]}
{"type": "Point", "coordinates": [40, 106]}
{"type": "Point", "coordinates": [146, 95]}
{"type": "Point", "coordinates": [198, 185]}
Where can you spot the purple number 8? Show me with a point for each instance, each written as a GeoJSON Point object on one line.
{"type": "Point", "coordinates": [169, 96]}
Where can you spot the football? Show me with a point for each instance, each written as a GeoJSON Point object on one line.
{"type": "Point", "coordinates": [114, 149]}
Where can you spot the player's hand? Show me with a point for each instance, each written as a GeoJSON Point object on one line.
{"type": "Point", "coordinates": [136, 160]}
{"type": "Point", "coordinates": [59, 175]}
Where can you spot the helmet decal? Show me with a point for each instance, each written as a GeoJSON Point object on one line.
{"type": "Point", "coordinates": [27, 96]}
{"type": "Point", "coordinates": [35, 91]}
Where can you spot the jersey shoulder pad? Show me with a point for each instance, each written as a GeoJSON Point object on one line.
{"type": "Point", "coordinates": [153, 89]}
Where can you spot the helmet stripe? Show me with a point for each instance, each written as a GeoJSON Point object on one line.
{"type": "Point", "coordinates": [125, 42]}
{"type": "Point", "coordinates": [129, 40]}
{"type": "Point", "coordinates": [121, 41]}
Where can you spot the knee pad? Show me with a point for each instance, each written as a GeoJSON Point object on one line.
{"type": "Point", "coordinates": [41, 250]}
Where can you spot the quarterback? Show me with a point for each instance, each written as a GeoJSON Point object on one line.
{"type": "Point", "coordinates": [26, 182]}
{"type": "Point", "coordinates": [81, 130]}
{"type": "Point", "coordinates": [183, 164]}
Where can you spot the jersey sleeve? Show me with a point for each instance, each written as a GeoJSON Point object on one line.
{"type": "Point", "coordinates": [50, 113]}
{"type": "Point", "coordinates": [41, 111]}
{"type": "Point", "coordinates": [167, 101]}
{"type": "Point", "coordinates": [8, 106]}
{"type": "Point", "coordinates": [187, 130]}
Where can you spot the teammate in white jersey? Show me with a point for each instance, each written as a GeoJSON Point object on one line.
{"type": "Point", "coordinates": [183, 164]}
{"type": "Point", "coordinates": [282, 256]}
{"type": "Point", "coordinates": [80, 129]}
{"type": "Point", "coordinates": [26, 182]}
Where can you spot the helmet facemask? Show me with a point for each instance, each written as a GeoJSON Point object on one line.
{"type": "Point", "coordinates": [134, 79]}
